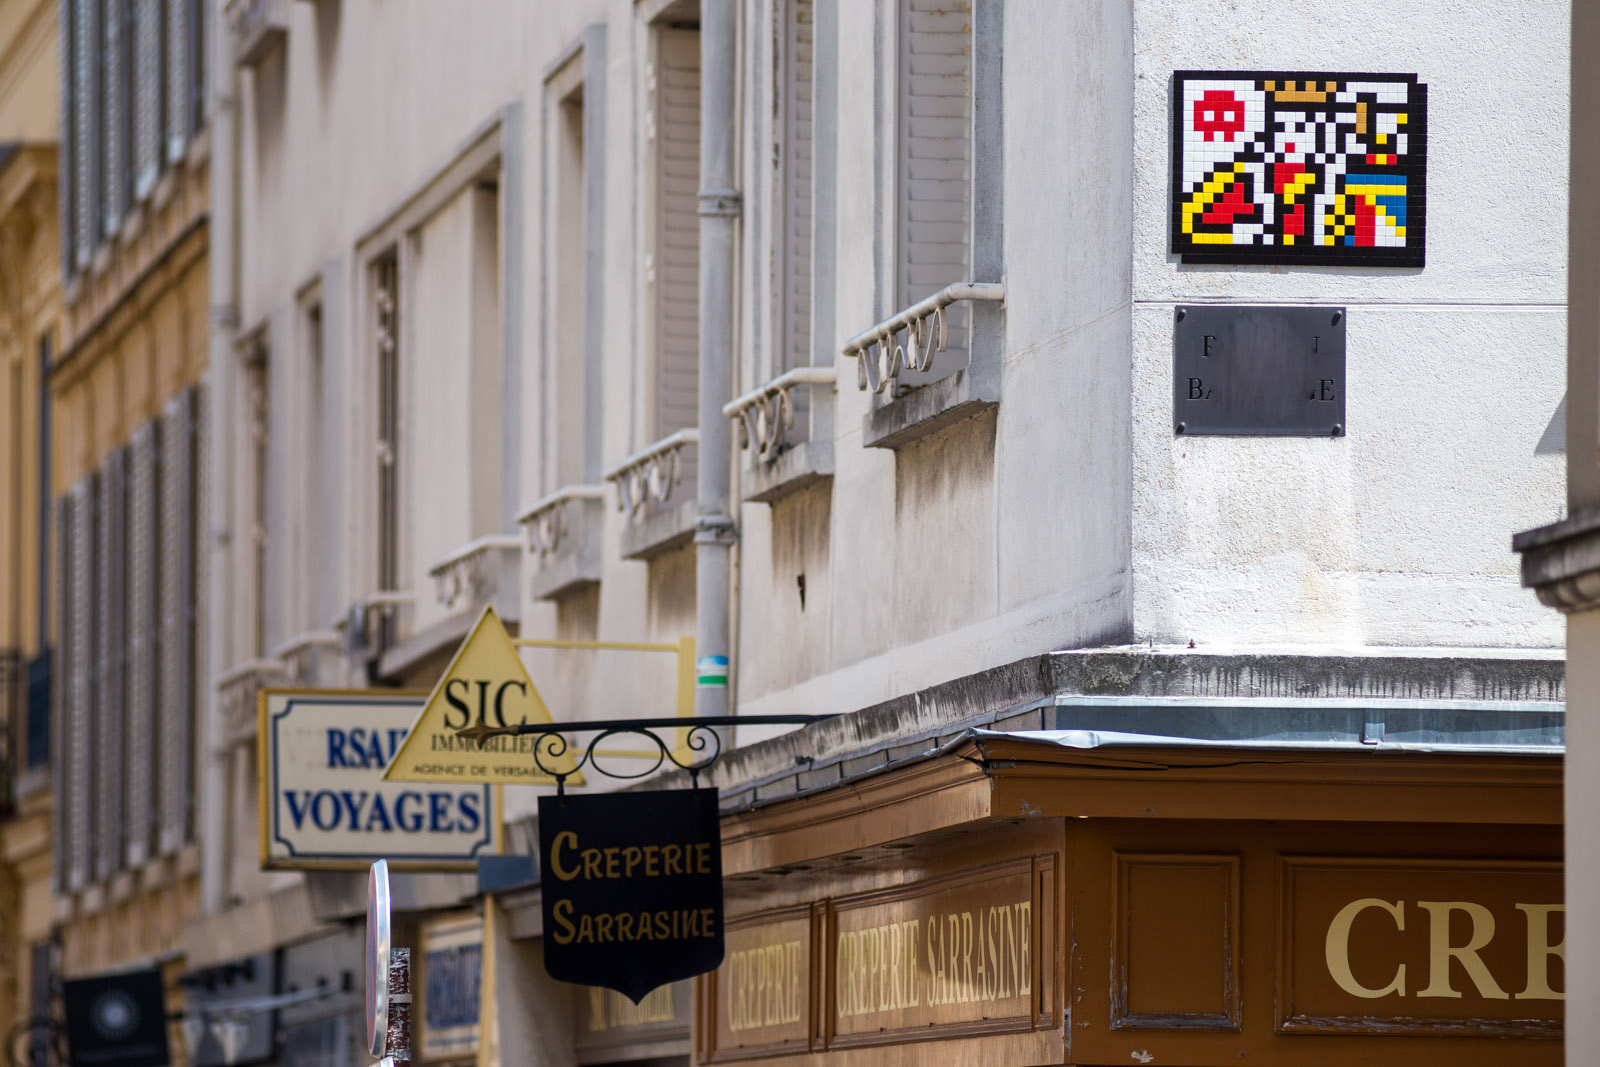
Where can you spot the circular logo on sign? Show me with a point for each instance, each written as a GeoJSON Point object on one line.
{"type": "Point", "coordinates": [115, 1015]}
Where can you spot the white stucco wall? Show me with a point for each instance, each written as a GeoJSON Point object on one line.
{"type": "Point", "coordinates": [1399, 532]}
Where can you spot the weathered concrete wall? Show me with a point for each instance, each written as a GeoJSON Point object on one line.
{"type": "Point", "coordinates": [1396, 534]}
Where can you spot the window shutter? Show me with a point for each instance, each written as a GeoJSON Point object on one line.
{"type": "Point", "coordinates": [147, 19]}
{"type": "Point", "coordinates": [110, 663]}
{"type": "Point", "coordinates": [178, 98]}
{"type": "Point", "coordinates": [177, 661]}
{"type": "Point", "coordinates": [936, 163]}
{"type": "Point", "coordinates": [144, 567]}
{"type": "Point", "coordinates": [86, 132]}
{"type": "Point", "coordinates": [78, 752]}
{"type": "Point", "coordinates": [796, 274]}
{"type": "Point", "coordinates": [677, 266]}
{"type": "Point", "coordinates": [61, 691]}
{"type": "Point", "coordinates": [69, 173]}
{"type": "Point", "coordinates": [114, 108]}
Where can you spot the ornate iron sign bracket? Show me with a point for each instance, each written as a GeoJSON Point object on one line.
{"type": "Point", "coordinates": [701, 747]}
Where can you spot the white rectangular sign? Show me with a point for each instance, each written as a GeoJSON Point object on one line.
{"type": "Point", "coordinates": [323, 800]}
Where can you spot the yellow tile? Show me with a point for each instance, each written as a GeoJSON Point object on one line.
{"type": "Point", "coordinates": [1327, 240]}
{"type": "Point", "coordinates": [1401, 118]}
{"type": "Point", "coordinates": [1288, 238]}
{"type": "Point", "coordinates": [1213, 238]}
{"type": "Point", "coordinates": [1383, 138]}
{"type": "Point", "coordinates": [1399, 231]}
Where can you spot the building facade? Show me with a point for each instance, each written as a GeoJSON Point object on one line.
{"type": "Point", "coordinates": [29, 330]}
{"type": "Point", "coordinates": [842, 337]}
{"type": "Point", "coordinates": [125, 381]}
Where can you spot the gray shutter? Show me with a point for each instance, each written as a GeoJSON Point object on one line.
{"type": "Point", "coordinates": [114, 105]}
{"type": "Point", "coordinates": [78, 752]}
{"type": "Point", "coordinates": [178, 77]}
{"type": "Point", "coordinates": [111, 663]}
{"type": "Point", "coordinates": [60, 688]}
{"type": "Point", "coordinates": [144, 568]}
{"type": "Point", "coordinates": [177, 661]}
{"type": "Point", "coordinates": [86, 131]}
{"type": "Point", "coordinates": [147, 62]}
{"type": "Point", "coordinates": [935, 246]}
{"type": "Point", "coordinates": [796, 271]}
{"type": "Point", "coordinates": [69, 173]}
{"type": "Point", "coordinates": [677, 266]}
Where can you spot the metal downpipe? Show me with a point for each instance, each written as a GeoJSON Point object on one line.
{"type": "Point", "coordinates": [719, 211]}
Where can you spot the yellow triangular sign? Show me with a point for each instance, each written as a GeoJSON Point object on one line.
{"type": "Point", "coordinates": [485, 688]}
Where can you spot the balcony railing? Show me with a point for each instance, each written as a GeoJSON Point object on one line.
{"type": "Point", "coordinates": [255, 28]}
{"type": "Point", "coordinates": [300, 654]}
{"type": "Point", "coordinates": [881, 355]}
{"type": "Point", "coordinates": [766, 414]}
{"type": "Point", "coordinates": [651, 473]}
{"type": "Point", "coordinates": [477, 572]}
{"type": "Point", "coordinates": [237, 690]}
{"type": "Point", "coordinates": [563, 532]}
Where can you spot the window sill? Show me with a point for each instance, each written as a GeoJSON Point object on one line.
{"type": "Point", "coordinates": [926, 410]}
{"type": "Point", "coordinates": [660, 530]}
{"type": "Point", "coordinates": [796, 468]}
{"type": "Point", "coordinates": [565, 536]}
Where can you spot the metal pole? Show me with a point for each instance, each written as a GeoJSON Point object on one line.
{"type": "Point", "coordinates": [719, 212]}
{"type": "Point", "coordinates": [221, 282]}
{"type": "Point", "coordinates": [398, 1047]}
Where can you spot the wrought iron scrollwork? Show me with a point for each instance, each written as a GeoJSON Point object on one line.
{"type": "Point", "coordinates": [702, 742]}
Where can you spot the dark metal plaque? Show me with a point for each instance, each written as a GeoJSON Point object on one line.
{"type": "Point", "coordinates": [1254, 370]}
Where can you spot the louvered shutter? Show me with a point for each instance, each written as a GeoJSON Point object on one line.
{"type": "Point", "coordinates": [796, 302]}
{"type": "Point", "coordinates": [111, 663]}
{"type": "Point", "coordinates": [176, 684]}
{"type": "Point", "coordinates": [147, 63]}
{"type": "Point", "coordinates": [69, 174]}
{"type": "Point", "coordinates": [86, 132]}
{"type": "Point", "coordinates": [78, 753]}
{"type": "Point", "coordinates": [177, 97]}
{"type": "Point", "coordinates": [144, 568]}
{"type": "Point", "coordinates": [115, 109]}
{"type": "Point", "coordinates": [61, 691]}
{"type": "Point", "coordinates": [676, 127]}
{"type": "Point", "coordinates": [934, 228]}
{"type": "Point", "coordinates": [198, 573]}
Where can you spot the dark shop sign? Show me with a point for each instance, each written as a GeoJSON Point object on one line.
{"type": "Point", "coordinates": [117, 1020]}
{"type": "Point", "coordinates": [632, 888]}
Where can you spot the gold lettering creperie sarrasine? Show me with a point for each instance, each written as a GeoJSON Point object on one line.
{"type": "Point", "coordinates": [568, 861]}
{"type": "Point", "coordinates": [610, 1010]}
{"type": "Point", "coordinates": [960, 957]}
{"type": "Point", "coordinates": [766, 986]}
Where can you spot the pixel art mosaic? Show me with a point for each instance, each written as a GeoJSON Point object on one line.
{"type": "Point", "coordinates": [1299, 168]}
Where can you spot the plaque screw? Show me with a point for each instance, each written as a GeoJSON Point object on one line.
{"type": "Point", "coordinates": [1337, 315]}
{"type": "Point", "coordinates": [1337, 429]}
{"type": "Point", "coordinates": [1181, 313]}
{"type": "Point", "coordinates": [1180, 427]}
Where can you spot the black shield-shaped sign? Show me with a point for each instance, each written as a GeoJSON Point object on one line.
{"type": "Point", "coordinates": [632, 886]}
{"type": "Point", "coordinates": [118, 1019]}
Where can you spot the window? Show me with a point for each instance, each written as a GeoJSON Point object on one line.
{"type": "Point", "coordinates": [386, 307]}
{"type": "Point", "coordinates": [934, 217]}
{"type": "Point", "coordinates": [673, 263]}
{"type": "Point", "coordinates": [258, 414]}
{"type": "Point", "coordinates": [565, 348]}
{"type": "Point", "coordinates": [796, 145]}
{"type": "Point", "coordinates": [315, 607]}
{"type": "Point", "coordinates": [132, 100]}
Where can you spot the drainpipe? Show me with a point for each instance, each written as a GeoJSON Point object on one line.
{"type": "Point", "coordinates": [223, 321]}
{"type": "Point", "coordinates": [719, 212]}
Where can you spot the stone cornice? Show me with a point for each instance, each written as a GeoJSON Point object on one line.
{"type": "Point", "coordinates": [1561, 562]}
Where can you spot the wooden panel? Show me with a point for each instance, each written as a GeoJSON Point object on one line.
{"type": "Point", "coordinates": [1175, 957]}
{"type": "Point", "coordinates": [953, 955]}
{"type": "Point", "coordinates": [1421, 946]}
{"type": "Point", "coordinates": [762, 995]}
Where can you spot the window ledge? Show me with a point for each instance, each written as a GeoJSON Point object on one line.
{"type": "Point", "coordinates": [564, 536]}
{"type": "Point", "coordinates": [658, 531]}
{"type": "Point", "coordinates": [794, 469]}
{"type": "Point", "coordinates": [926, 410]}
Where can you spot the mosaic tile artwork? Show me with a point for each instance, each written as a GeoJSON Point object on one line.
{"type": "Point", "coordinates": [1299, 167]}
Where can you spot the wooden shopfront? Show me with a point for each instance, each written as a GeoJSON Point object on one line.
{"type": "Point", "coordinates": [1017, 901]}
